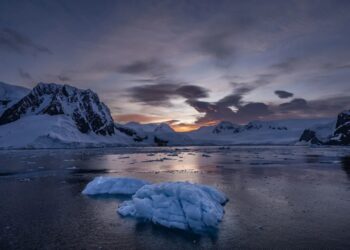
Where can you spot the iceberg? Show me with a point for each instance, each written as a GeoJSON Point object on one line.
{"type": "Point", "coordinates": [180, 205]}
{"type": "Point", "coordinates": [113, 185]}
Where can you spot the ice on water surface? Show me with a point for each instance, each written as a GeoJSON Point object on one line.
{"type": "Point", "coordinates": [113, 185]}
{"type": "Point", "coordinates": [179, 205]}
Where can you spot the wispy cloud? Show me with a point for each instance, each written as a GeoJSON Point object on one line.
{"type": "Point", "coordinates": [14, 41]}
{"type": "Point", "coordinates": [24, 75]}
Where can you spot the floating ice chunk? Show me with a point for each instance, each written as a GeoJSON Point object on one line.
{"type": "Point", "coordinates": [113, 185]}
{"type": "Point", "coordinates": [179, 205]}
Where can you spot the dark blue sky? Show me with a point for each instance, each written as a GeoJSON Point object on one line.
{"type": "Point", "coordinates": [193, 62]}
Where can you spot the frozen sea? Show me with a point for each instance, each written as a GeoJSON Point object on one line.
{"type": "Point", "coordinates": [279, 197]}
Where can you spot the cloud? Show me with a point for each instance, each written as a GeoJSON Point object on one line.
{"type": "Point", "coordinates": [287, 66]}
{"type": "Point", "coordinates": [330, 106]}
{"type": "Point", "coordinates": [137, 118]}
{"type": "Point", "coordinates": [293, 105]}
{"type": "Point", "coordinates": [301, 108]}
{"type": "Point", "coordinates": [253, 110]}
{"type": "Point", "coordinates": [219, 47]}
{"type": "Point", "coordinates": [172, 122]}
{"type": "Point", "coordinates": [162, 93]}
{"type": "Point", "coordinates": [283, 94]}
{"type": "Point", "coordinates": [335, 66]}
{"type": "Point", "coordinates": [151, 67]}
{"type": "Point", "coordinates": [231, 100]}
{"type": "Point", "coordinates": [191, 92]}
{"type": "Point", "coordinates": [63, 78]}
{"type": "Point", "coordinates": [219, 111]}
{"type": "Point", "coordinates": [12, 40]}
{"type": "Point", "coordinates": [260, 80]}
{"type": "Point", "coordinates": [24, 75]}
{"type": "Point", "coordinates": [245, 112]}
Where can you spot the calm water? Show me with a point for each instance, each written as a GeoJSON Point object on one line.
{"type": "Point", "coordinates": [280, 197]}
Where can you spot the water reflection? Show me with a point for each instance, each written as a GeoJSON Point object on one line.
{"type": "Point", "coordinates": [277, 194]}
{"type": "Point", "coordinates": [346, 165]}
{"type": "Point", "coordinates": [176, 236]}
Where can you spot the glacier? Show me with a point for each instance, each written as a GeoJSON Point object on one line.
{"type": "Point", "coordinates": [181, 205]}
{"type": "Point", "coordinates": [113, 185]}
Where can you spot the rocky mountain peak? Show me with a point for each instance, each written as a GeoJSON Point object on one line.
{"type": "Point", "coordinates": [83, 106]}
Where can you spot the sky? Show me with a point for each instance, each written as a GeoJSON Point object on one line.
{"type": "Point", "coordinates": [189, 63]}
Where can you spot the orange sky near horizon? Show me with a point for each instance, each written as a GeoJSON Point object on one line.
{"type": "Point", "coordinates": [177, 126]}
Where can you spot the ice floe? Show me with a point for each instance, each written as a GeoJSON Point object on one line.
{"type": "Point", "coordinates": [113, 185]}
{"type": "Point", "coordinates": [179, 205]}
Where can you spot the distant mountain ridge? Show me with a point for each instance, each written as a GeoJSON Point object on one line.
{"type": "Point", "coordinates": [61, 116]}
{"type": "Point", "coordinates": [159, 134]}
{"type": "Point", "coordinates": [255, 132]}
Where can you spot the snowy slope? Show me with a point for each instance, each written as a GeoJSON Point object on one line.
{"type": "Point", "coordinates": [59, 116]}
{"type": "Point", "coordinates": [10, 94]}
{"type": "Point", "coordinates": [45, 131]}
{"type": "Point", "coordinates": [257, 132]}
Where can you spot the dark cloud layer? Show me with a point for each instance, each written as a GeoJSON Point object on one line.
{"type": "Point", "coordinates": [295, 104]}
{"type": "Point", "coordinates": [14, 41]}
{"type": "Point", "coordinates": [233, 108]}
{"type": "Point", "coordinates": [220, 112]}
{"type": "Point", "coordinates": [283, 94]}
{"type": "Point", "coordinates": [162, 93]}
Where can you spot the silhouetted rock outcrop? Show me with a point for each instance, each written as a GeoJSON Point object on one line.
{"type": "Point", "coordinates": [341, 134]}
{"type": "Point", "coordinates": [310, 137]}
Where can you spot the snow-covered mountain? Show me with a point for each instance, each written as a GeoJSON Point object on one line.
{"type": "Point", "coordinates": [335, 133]}
{"type": "Point", "coordinates": [10, 94]}
{"type": "Point", "coordinates": [59, 131]}
{"type": "Point", "coordinates": [150, 127]}
{"type": "Point", "coordinates": [53, 115]}
{"type": "Point", "coordinates": [83, 106]}
{"type": "Point", "coordinates": [256, 132]}
{"type": "Point", "coordinates": [61, 116]}
{"type": "Point", "coordinates": [158, 134]}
